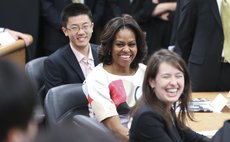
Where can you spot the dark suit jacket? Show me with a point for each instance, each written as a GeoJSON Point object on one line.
{"type": "Point", "coordinates": [223, 134]}
{"type": "Point", "coordinates": [115, 8]}
{"type": "Point", "coordinates": [175, 23]}
{"type": "Point", "coordinates": [149, 126]}
{"type": "Point", "coordinates": [51, 35]}
{"type": "Point", "coordinates": [62, 67]}
{"type": "Point", "coordinates": [200, 38]}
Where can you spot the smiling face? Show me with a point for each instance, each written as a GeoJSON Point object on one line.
{"type": "Point", "coordinates": [124, 48]}
{"type": "Point", "coordinates": [168, 84]}
{"type": "Point", "coordinates": [79, 29]}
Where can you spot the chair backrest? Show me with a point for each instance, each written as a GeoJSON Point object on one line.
{"type": "Point", "coordinates": [85, 121]}
{"type": "Point", "coordinates": [63, 102]}
{"type": "Point", "coordinates": [35, 70]}
{"type": "Point", "coordinates": [103, 133]}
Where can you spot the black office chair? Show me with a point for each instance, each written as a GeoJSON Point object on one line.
{"type": "Point", "coordinates": [85, 121]}
{"type": "Point", "coordinates": [35, 71]}
{"type": "Point", "coordinates": [64, 102]}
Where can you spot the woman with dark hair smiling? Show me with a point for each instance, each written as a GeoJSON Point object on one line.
{"type": "Point", "coordinates": [115, 84]}
{"type": "Point", "coordinates": [166, 82]}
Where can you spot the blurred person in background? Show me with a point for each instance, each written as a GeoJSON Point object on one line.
{"type": "Point", "coordinates": [17, 103]}
{"type": "Point", "coordinates": [156, 19]}
{"type": "Point", "coordinates": [203, 41]}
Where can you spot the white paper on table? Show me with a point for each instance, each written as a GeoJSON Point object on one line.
{"type": "Point", "coordinates": [6, 38]}
{"type": "Point", "coordinates": [207, 133]}
{"type": "Point", "coordinates": [200, 105]}
{"type": "Point", "coordinates": [218, 103]}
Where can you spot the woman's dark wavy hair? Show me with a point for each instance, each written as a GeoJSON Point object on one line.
{"type": "Point", "coordinates": [108, 36]}
{"type": "Point", "coordinates": [150, 97]}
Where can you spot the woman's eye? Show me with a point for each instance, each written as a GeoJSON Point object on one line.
{"type": "Point", "coordinates": [132, 45]}
{"type": "Point", "coordinates": [165, 76]}
{"type": "Point", "coordinates": [179, 76]}
{"type": "Point", "coordinates": [119, 45]}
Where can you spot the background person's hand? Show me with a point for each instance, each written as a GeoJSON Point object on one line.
{"type": "Point", "coordinates": [18, 35]}
{"type": "Point", "coordinates": [164, 16]}
{"type": "Point", "coordinates": [155, 1]}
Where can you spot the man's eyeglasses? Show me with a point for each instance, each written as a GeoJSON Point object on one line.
{"type": "Point", "coordinates": [75, 29]}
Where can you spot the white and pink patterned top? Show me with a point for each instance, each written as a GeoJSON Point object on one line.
{"type": "Point", "coordinates": [101, 85]}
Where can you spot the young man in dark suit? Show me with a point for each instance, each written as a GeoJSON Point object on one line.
{"type": "Point", "coordinates": [51, 36]}
{"type": "Point", "coordinates": [73, 62]}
